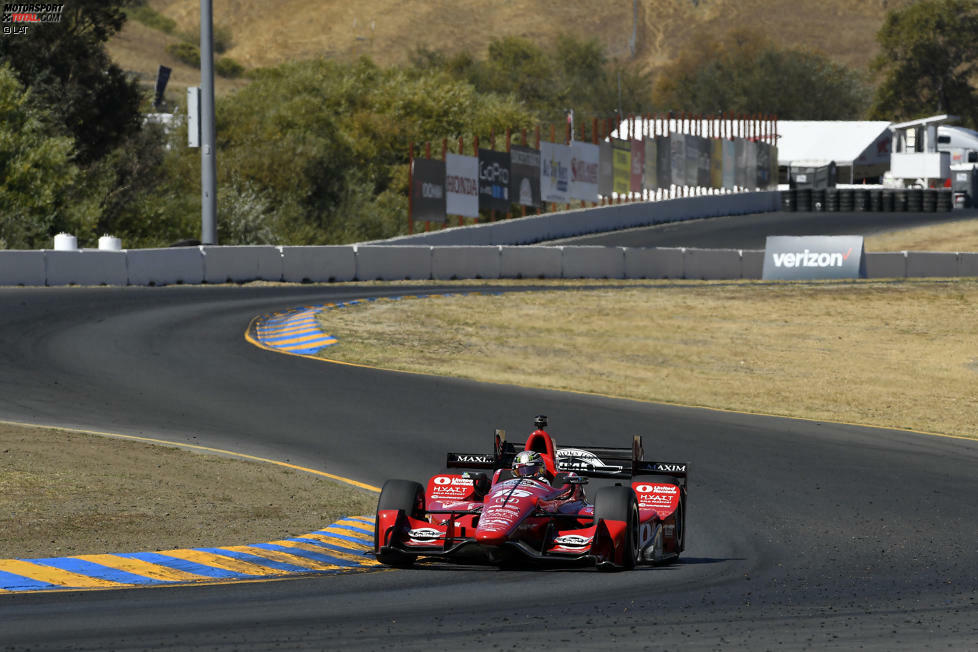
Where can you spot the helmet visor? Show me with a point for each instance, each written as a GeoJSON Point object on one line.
{"type": "Point", "coordinates": [526, 470]}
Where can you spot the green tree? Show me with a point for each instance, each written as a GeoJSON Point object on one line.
{"type": "Point", "coordinates": [928, 61]}
{"type": "Point", "coordinates": [36, 170]}
{"type": "Point", "coordinates": [70, 74]}
{"type": "Point", "coordinates": [744, 72]}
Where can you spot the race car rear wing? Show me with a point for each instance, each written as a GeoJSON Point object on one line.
{"type": "Point", "coordinates": [593, 461]}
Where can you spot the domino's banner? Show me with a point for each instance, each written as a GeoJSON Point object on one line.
{"type": "Point", "coordinates": [793, 258]}
{"type": "Point", "coordinates": [428, 190]}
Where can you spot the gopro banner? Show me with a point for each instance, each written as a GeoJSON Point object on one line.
{"type": "Point", "coordinates": [493, 180]}
{"type": "Point", "coordinates": [428, 190]}
{"type": "Point", "coordinates": [524, 176]}
{"type": "Point", "coordinates": [462, 185]}
{"type": "Point", "coordinates": [584, 171]}
{"type": "Point", "coordinates": [814, 257]}
{"type": "Point", "coordinates": [555, 164]}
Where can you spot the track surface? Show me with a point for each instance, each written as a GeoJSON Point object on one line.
{"type": "Point", "coordinates": [750, 231]}
{"type": "Point", "coordinates": [801, 534]}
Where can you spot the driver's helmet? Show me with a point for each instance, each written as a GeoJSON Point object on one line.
{"type": "Point", "coordinates": [529, 464]}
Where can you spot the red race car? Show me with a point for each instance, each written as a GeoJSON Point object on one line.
{"type": "Point", "coordinates": [534, 508]}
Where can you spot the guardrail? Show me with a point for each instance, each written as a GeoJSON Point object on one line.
{"type": "Point", "coordinates": [195, 265]}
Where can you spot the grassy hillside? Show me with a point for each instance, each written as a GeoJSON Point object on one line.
{"type": "Point", "coordinates": [267, 33]}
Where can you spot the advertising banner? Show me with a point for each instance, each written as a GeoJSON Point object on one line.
{"type": "Point", "coordinates": [555, 163]}
{"type": "Point", "coordinates": [751, 165]}
{"type": "Point", "coordinates": [606, 173]}
{"type": "Point", "coordinates": [663, 164]}
{"type": "Point", "coordinates": [703, 164]}
{"type": "Point", "coordinates": [763, 165]}
{"type": "Point", "coordinates": [584, 171]}
{"type": "Point", "coordinates": [493, 180]}
{"type": "Point", "coordinates": [740, 167]}
{"type": "Point", "coordinates": [692, 160]}
{"type": "Point", "coordinates": [729, 164]}
{"type": "Point", "coordinates": [462, 185]}
{"type": "Point", "coordinates": [638, 164]}
{"type": "Point", "coordinates": [524, 176]}
{"type": "Point", "coordinates": [650, 178]}
{"type": "Point", "coordinates": [622, 163]}
{"type": "Point", "coordinates": [677, 145]}
{"type": "Point", "coordinates": [428, 190]}
{"type": "Point", "coordinates": [814, 257]}
{"type": "Point", "coordinates": [716, 163]}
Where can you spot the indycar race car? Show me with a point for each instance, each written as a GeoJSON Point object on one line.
{"type": "Point", "coordinates": [534, 508]}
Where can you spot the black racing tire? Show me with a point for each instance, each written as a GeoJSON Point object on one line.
{"type": "Point", "coordinates": [405, 495]}
{"type": "Point", "coordinates": [620, 504]}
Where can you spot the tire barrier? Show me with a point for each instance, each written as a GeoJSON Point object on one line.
{"type": "Point", "coordinates": [915, 200]}
{"type": "Point", "coordinates": [945, 200]}
{"type": "Point", "coordinates": [929, 201]}
{"type": "Point", "coordinates": [803, 200]}
{"type": "Point", "coordinates": [887, 201]}
{"type": "Point", "coordinates": [832, 200]}
{"type": "Point", "coordinates": [875, 200]}
{"type": "Point", "coordinates": [818, 199]}
{"type": "Point", "coordinates": [860, 200]}
{"type": "Point", "coordinates": [788, 199]}
{"type": "Point", "coordinates": [900, 201]}
{"type": "Point", "coordinates": [846, 200]}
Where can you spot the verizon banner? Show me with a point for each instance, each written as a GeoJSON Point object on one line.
{"type": "Point", "coordinates": [493, 180]}
{"type": "Point", "coordinates": [814, 257]}
{"type": "Point", "coordinates": [585, 159]}
{"type": "Point", "coordinates": [462, 185]}
{"type": "Point", "coordinates": [428, 190]}
{"type": "Point", "coordinates": [524, 176]}
{"type": "Point", "coordinates": [555, 165]}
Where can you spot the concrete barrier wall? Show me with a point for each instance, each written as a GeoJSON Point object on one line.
{"type": "Point", "coordinates": [593, 262]}
{"type": "Point", "coordinates": [86, 267]}
{"type": "Point", "coordinates": [22, 267]}
{"type": "Point", "coordinates": [565, 224]}
{"type": "Point", "coordinates": [165, 266]}
{"type": "Point", "coordinates": [242, 264]}
{"type": "Point", "coordinates": [393, 263]}
{"type": "Point", "coordinates": [922, 264]}
{"type": "Point", "coordinates": [325, 264]}
{"type": "Point", "coordinates": [530, 262]}
{"type": "Point", "coordinates": [710, 264]}
{"type": "Point", "coordinates": [968, 264]}
{"type": "Point", "coordinates": [889, 264]}
{"type": "Point", "coordinates": [659, 262]}
{"type": "Point", "coordinates": [752, 263]}
{"type": "Point", "coordinates": [464, 262]}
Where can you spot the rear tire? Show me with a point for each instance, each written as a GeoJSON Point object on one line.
{"type": "Point", "coordinates": [620, 504]}
{"type": "Point", "coordinates": [404, 495]}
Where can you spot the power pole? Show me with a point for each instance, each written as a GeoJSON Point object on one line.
{"type": "Point", "coordinates": [208, 155]}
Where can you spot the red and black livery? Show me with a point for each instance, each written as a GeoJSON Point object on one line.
{"type": "Point", "coordinates": [482, 513]}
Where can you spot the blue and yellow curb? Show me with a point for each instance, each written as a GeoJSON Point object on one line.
{"type": "Point", "coordinates": [343, 547]}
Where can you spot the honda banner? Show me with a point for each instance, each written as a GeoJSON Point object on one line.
{"type": "Point", "coordinates": [462, 185]}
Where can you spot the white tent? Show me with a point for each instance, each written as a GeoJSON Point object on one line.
{"type": "Point", "coordinates": [861, 146]}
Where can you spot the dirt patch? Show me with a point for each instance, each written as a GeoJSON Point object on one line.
{"type": "Point", "coordinates": [66, 493]}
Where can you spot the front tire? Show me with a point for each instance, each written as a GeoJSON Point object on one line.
{"type": "Point", "coordinates": [406, 496]}
{"type": "Point", "coordinates": [620, 504]}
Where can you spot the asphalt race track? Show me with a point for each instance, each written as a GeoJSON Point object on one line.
{"type": "Point", "coordinates": [801, 534]}
{"type": "Point", "coordinates": [750, 231]}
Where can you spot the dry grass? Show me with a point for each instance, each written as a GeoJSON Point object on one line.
{"type": "Point", "coordinates": [948, 236]}
{"type": "Point", "coordinates": [267, 34]}
{"type": "Point", "coordinates": [66, 493]}
{"type": "Point", "coordinates": [902, 355]}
